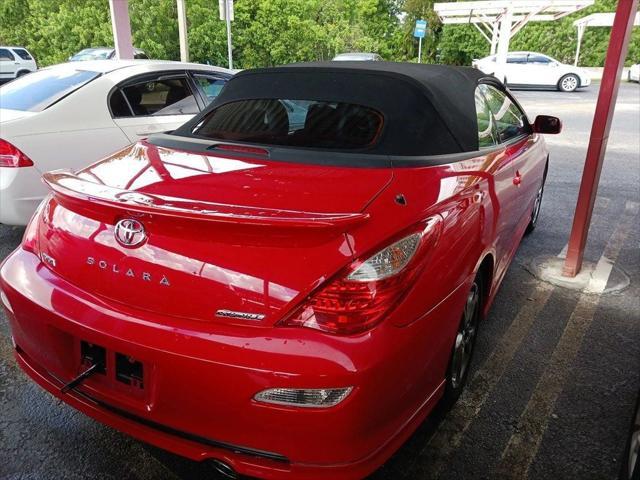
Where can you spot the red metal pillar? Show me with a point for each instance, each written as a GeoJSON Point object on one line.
{"type": "Point", "coordinates": [614, 62]}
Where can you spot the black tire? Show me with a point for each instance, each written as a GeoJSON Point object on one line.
{"type": "Point", "coordinates": [21, 73]}
{"type": "Point", "coordinates": [464, 344]}
{"type": "Point", "coordinates": [569, 83]}
{"type": "Point", "coordinates": [537, 205]}
{"type": "Point", "coordinates": [535, 213]}
{"type": "Point", "coordinates": [631, 461]}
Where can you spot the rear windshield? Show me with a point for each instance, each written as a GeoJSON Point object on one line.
{"type": "Point", "coordinates": [38, 90]}
{"type": "Point", "coordinates": [299, 123]}
{"type": "Point", "coordinates": [92, 54]}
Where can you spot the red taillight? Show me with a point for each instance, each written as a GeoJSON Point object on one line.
{"type": "Point", "coordinates": [11, 156]}
{"type": "Point", "coordinates": [30, 237]}
{"type": "Point", "coordinates": [359, 296]}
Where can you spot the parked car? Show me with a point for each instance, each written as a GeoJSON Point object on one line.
{"type": "Point", "coordinates": [536, 70]}
{"type": "Point", "coordinates": [104, 53]}
{"type": "Point", "coordinates": [68, 116]}
{"type": "Point", "coordinates": [15, 62]}
{"type": "Point", "coordinates": [288, 302]}
{"type": "Point", "coordinates": [357, 56]}
{"type": "Point", "coordinates": [634, 73]}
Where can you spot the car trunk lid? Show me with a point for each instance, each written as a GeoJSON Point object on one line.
{"type": "Point", "coordinates": [226, 238]}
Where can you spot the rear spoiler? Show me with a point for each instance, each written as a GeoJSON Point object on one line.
{"type": "Point", "coordinates": [69, 186]}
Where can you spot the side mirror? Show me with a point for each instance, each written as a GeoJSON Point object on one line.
{"type": "Point", "coordinates": [547, 124]}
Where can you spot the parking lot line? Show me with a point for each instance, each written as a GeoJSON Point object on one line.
{"type": "Point", "coordinates": [524, 443]}
{"type": "Point", "coordinates": [452, 429]}
{"type": "Point", "coordinates": [444, 443]}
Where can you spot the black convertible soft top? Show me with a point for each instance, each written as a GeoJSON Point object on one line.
{"type": "Point", "coordinates": [427, 109]}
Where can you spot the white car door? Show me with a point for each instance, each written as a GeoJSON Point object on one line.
{"type": "Point", "coordinates": [541, 70]}
{"type": "Point", "coordinates": [8, 64]}
{"type": "Point", "coordinates": [516, 69]}
{"type": "Point", "coordinates": [153, 104]}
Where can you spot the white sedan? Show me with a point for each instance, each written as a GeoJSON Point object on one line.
{"type": "Point", "coordinates": [73, 114]}
{"type": "Point", "coordinates": [534, 70]}
{"type": "Point", "coordinates": [634, 73]}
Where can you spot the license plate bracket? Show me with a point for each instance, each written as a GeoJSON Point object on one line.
{"type": "Point", "coordinates": [129, 371]}
{"type": "Point", "coordinates": [91, 354]}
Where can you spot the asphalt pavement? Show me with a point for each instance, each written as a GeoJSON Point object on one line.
{"type": "Point", "coordinates": [556, 372]}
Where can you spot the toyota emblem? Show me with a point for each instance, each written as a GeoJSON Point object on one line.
{"type": "Point", "coordinates": [130, 232]}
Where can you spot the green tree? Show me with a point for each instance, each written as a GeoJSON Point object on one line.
{"type": "Point", "coordinates": [461, 43]}
{"type": "Point", "coordinates": [154, 27]}
{"type": "Point", "coordinates": [406, 43]}
{"type": "Point", "coordinates": [272, 32]}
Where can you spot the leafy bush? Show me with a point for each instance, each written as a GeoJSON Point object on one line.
{"type": "Point", "coordinates": [272, 32]}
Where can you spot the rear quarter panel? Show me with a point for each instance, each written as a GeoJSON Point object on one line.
{"type": "Point", "coordinates": [463, 194]}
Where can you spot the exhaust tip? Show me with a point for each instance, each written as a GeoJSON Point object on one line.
{"type": "Point", "coordinates": [224, 469]}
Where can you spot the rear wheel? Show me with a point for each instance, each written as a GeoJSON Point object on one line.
{"type": "Point", "coordinates": [21, 73]}
{"type": "Point", "coordinates": [464, 344]}
{"type": "Point", "coordinates": [569, 83]}
{"type": "Point", "coordinates": [535, 213]}
{"type": "Point", "coordinates": [631, 461]}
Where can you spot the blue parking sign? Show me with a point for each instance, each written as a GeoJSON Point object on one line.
{"type": "Point", "coordinates": [421, 29]}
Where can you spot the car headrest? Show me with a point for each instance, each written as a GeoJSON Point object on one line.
{"type": "Point", "coordinates": [321, 120]}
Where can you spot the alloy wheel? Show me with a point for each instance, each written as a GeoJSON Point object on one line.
{"type": "Point", "coordinates": [536, 206]}
{"type": "Point", "coordinates": [634, 454]}
{"type": "Point", "coordinates": [569, 83]}
{"type": "Point", "coordinates": [465, 339]}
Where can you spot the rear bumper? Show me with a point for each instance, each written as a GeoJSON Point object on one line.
{"type": "Point", "coordinates": [20, 193]}
{"type": "Point", "coordinates": [197, 399]}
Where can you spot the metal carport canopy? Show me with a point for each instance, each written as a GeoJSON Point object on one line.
{"type": "Point", "coordinates": [596, 20]}
{"type": "Point", "coordinates": [499, 20]}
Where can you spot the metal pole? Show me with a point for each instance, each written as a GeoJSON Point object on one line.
{"type": "Point", "coordinates": [503, 42]}
{"type": "Point", "coordinates": [228, 19]}
{"type": "Point", "coordinates": [494, 38]}
{"type": "Point", "coordinates": [182, 31]}
{"type": "Point", "coordinates": [613, 64]}
{"type": "Point", "coordinates": [580, 33]}
{"type": "Point", "coordinates": [420, 50]}
{"type": "Point", "coordinates": [121, 27]}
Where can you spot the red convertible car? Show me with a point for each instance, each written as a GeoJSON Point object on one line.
{"type": "Point", "coordinates": [287, 284]}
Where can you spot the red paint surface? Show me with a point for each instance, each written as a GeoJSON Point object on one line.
{"type": "Point", "coordinates": [202, 371]}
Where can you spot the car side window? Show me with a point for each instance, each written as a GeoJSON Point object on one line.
{"type": "Point", "coordinates": [6, 55]}
{"type": "Point", "coordinates": [170, 96]}
{"type": "Point", "coordinates": [486, 128]}
{"type": "Point", "coordinates": [517, 58]}
{"type": "Point", "coordinates": [511, 122]}
{"type": "Point", "coordinates": [538, 59]}
{"type": "Point", "coordinates": [22, 53]}
{"type": "Point", "coordinates": [210, 86]}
